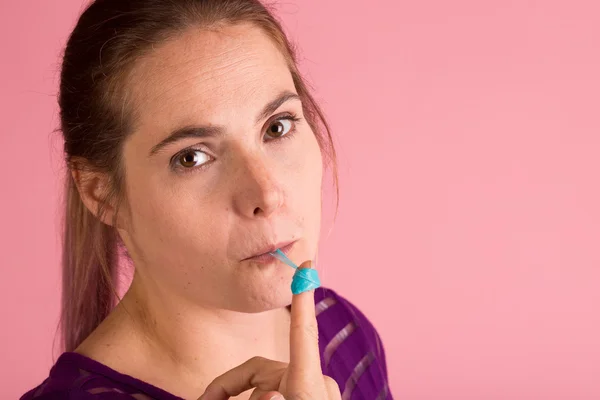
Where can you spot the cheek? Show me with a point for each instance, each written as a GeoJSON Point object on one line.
{"type": "Point", "coordinates": [313, 166]}
{"type": "Point", "coordinates": [310, 198]}
{"type": "Point", "coordinates": [173, 218]}
{"type": "Point", "coordinates": [307, 185]}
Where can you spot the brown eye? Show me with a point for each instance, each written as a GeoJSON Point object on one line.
{"type": "Point", "coordinates": [279, 128]}
{"type": "Point", "coordinates": [192, 158]}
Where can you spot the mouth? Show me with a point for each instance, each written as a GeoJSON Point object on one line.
{"type": "Point", "coordinates": [264, 257]}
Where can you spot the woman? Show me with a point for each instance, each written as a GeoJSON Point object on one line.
{"type": "Point", "coordinates": [194, 145]}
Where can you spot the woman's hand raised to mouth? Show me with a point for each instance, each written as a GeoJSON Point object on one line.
{"type": "Point", "coordinates": [301, 379]}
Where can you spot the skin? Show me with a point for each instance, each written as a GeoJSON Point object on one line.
{"type": "Point", "coordinates": [196, 309]}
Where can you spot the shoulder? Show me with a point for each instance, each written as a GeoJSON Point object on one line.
{"type": "Point", "coordinates": [333, 309]}
{"type": "Point", "coordinates": [75, 393]}
{"type": "Point", "coordinates": [340, 319]}
{"type": "Point", "coordinates": [350, 347]}
{"type": "Point", "coordinates": [71, 379]}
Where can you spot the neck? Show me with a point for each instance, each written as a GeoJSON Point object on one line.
{"type": "Point", "coordinates": [183, 330]}
{"type": "Point", "coordinates": [153, 332]}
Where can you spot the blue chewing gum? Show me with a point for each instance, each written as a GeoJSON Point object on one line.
{"type": "Point", "coordinates": [304, 279]}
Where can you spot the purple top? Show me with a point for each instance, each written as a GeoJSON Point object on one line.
{"type": "Point", "coordinates": [351, 353]}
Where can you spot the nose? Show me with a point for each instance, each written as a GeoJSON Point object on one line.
{"type": "Point", "coordinates": [258, 193]}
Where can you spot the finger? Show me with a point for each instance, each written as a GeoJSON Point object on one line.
{"type": "Point", "coordinates": [271, 395]}
{"type": "Point", "coordinates": [332, 387]}
{"type": "Point", "coordinates": [257, 372]}
{"type": "Point", "coordinates": [305, 359]}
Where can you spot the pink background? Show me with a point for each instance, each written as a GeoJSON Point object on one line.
{"type": "Point", "coordinates": [469, 224]}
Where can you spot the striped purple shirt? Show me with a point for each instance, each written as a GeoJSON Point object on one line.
{"type": "Point", "coordinates": [351, 353]}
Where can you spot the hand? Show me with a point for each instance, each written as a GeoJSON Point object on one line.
{"type": "Point", "coordinates": [301, 379]}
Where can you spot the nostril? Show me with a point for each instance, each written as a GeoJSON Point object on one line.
{"type": "Point", "coordinates": [257, 211]}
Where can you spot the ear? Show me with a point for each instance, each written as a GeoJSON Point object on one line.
{"type": "Point", "coordinates": [94, 189]}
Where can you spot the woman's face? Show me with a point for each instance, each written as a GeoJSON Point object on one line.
{"type": "Point", "coordinates": [218, 171]}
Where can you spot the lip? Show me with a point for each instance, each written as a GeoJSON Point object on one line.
{"type": "Point", "coordinates": [265, 257]}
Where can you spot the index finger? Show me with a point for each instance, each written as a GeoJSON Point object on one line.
{"type": "Point", "coordinates": [305, 359]}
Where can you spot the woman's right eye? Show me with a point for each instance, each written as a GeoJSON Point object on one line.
{"type": "Point", "coordinates": [192, 158]}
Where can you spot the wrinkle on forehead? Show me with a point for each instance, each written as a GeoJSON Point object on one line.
{"type": "Point", "coordinates": [203, 68]}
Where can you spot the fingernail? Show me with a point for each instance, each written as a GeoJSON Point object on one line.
{"type": "Point", "coordinates": [277, 397]}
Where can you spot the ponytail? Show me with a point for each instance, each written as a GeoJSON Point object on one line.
{"type": "Point", "coordinates": [89, 265]}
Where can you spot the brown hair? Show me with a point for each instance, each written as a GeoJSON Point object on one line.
{"type": "Point", "coordinates": [108, 38]}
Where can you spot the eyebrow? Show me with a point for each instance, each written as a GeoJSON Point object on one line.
{"type": "Point", "coordinates": [201, 132]}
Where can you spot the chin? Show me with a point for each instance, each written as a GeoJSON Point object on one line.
{"type": "Point", "coordinates": [257, 300]}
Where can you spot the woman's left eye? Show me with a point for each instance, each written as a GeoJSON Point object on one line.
{"type": "Point", "coordinates": [281, 127]}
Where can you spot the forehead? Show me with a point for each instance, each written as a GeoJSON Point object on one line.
{"type": "Point", "coordinates": [208, 75]}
